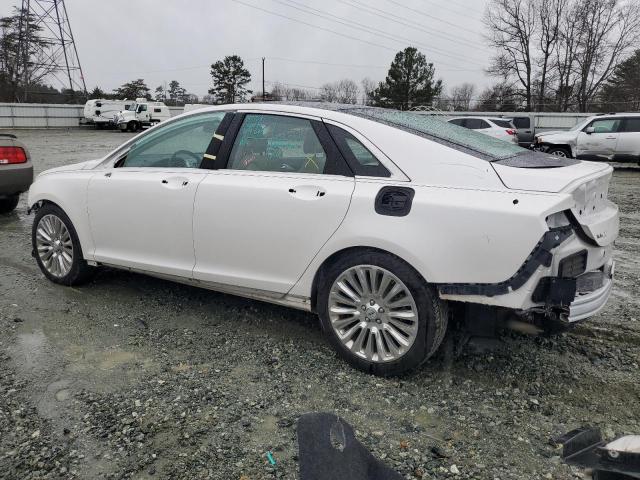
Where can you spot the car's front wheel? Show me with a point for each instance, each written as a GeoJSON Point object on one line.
{"type": "Point", "coordinates": [379, 313]}
{"type": "Point", "coordinates": [559, 152]}
{"type": "Point", "coordinates": [9, 204]}
{"type": "Point", "coordinates": [56, 247]}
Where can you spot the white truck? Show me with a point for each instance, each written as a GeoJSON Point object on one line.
{"type": "Point", "coordinates": [142, 113]}
{"type": "Point", "coordinates": [100, 111]}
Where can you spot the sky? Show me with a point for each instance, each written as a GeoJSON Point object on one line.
{"type": "Point", "coordinates": [306, 43]}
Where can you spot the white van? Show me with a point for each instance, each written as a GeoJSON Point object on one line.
{"type": "Point", "coordinates": [100, 112]}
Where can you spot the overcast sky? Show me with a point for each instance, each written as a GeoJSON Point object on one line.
{"type": "Point", "coordinates": [120, 40]}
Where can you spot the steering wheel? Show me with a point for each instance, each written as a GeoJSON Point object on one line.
{"type": "Point", "coordinates": [177, 162]}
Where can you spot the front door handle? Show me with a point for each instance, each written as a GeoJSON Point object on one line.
{"type": "Point", "coordinates": [174, 183]}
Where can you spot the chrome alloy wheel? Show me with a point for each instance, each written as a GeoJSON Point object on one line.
{"type": "Point", "coordinates": [559, 153]}
{"type": "Point", "coordinates": [54, 245]}
{"type": "Point", "coordinates": [373, 313]}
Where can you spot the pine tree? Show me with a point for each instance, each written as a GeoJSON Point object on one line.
{"type": "Point", "coordinates": [622, 92]}
{"type": "Point", "coordinates": [410, 81]}
{"type": "Point", "coordinates": [229, 80]}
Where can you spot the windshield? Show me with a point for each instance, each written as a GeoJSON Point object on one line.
{"type": "Point", "coordinates": [579, 125]}
{"type": "Point", "coordinates": [475, 143]}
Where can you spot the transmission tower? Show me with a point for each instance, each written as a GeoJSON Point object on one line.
{"type": "Point", "coordinates": [54, 55]}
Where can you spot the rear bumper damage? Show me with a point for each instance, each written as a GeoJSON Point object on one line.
{"type": "Point", "coordinates": [567, 277]}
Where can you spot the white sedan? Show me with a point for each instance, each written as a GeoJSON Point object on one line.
{"type": "Point", "coordinates": [501, 128]}
{"type": "Point", "coordinates": [378, 220]}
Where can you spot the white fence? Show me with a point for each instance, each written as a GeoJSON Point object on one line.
{"type": "Point", "coordinates": [46, 115]}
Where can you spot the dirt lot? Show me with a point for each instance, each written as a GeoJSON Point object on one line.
{"type": "Point", "coordinates": [133, 377]}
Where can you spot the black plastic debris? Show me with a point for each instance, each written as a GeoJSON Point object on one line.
{"type": "Point", "coordinates": [615, 460]}
{"type": "Point", "coordinates": [329, 450]}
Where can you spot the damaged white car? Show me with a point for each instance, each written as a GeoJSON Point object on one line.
{"type": "Point", "coordinates": [380, 221]}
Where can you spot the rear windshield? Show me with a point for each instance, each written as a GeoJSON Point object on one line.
{"type": "Point", "coordinates": [502, 123]}
{"type": "Point", "coordinates": [437, 130]}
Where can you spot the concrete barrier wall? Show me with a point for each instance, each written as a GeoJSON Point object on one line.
{"type": "Point", "coordinates": [47, 115]}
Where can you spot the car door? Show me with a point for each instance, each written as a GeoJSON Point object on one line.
{"type": "Point", "coordinates": [141, 207]}
{"type": "Point", "coordinates": [283, 191]}
{"type": "Point", "coordinates": [628, 147]}
{"type": "Point", "coordinates": [525, 130]}
{"type": "Point", "coordinates": [598, 140]}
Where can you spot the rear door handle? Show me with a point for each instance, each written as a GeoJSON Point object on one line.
{"type": "Point", "coordinates": [307, 192]}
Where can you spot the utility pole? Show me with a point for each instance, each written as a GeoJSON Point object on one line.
{"type": "Point", "coordinates": [263, 79]}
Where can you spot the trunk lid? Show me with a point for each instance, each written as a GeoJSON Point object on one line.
{"type": "Point", "coordinates": [586, 182]}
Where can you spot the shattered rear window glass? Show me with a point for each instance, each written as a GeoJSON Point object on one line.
{"type": "Point", "coordinates": [441, 131]}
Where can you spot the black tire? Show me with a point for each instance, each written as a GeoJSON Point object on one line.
{"type": "Point", "coordinates": [9, 204]}
{"type": "Point", "coordinates": [80, 272]}
{"type": "Point", "coordinates": [432, 312]}
{"type": "Point", "coordinates": [556, 150]}
{"type": "Point", "coordinates": [132, 126]}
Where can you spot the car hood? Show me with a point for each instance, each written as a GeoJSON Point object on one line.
{"type": "Point", "coordinates": [553, 179]}
{"type": "Point", "coordinates": [557, 136]}
{"type": "Point", "coordinates": [87, 165]}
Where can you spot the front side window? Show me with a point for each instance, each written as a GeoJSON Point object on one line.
{"type": "Point", "coordinates": [179, 144]}
{"type": "Point", "coordinates": [277, 143]}
{"type": "Point", "coordinates": [609, 125]}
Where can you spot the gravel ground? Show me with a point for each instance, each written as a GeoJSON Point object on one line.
{"type": "Point", "coordinates": [134, 377]}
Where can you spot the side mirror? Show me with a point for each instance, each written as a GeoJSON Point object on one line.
{"type": "Point", "coordinates": [590, 130]}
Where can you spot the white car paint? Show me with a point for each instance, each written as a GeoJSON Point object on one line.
{"type": "Point", "coordinates": [488, 126]}
{"type": "Point", "coordinates": [472, 221]}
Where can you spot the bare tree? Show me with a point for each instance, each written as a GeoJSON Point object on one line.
{"type": "Point", "coordinates": [329, 92]}
{"type": "Point", "coordinates": [550, 13]}
{"type": "Point", "coordinates": [512, 25]}
{"type": "Point", "coordinates": [565, 57]}
{"type": "Point", "coordinates": [347, 91]}
{"type": "Point", "coordinates": [607, 30]}
{"type": "Point", "coordinates": [368, 87]}
{"type": "Point", "coordinates": [343, 91]}
{"type": "Point", "coordinates": [461, 97]}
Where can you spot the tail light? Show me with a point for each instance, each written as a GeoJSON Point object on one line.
{"type": "Point", "coordinates": [10, 155]}
{"type": "Point", "coordinates": [510, 131]}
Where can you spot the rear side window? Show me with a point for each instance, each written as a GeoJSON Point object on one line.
{"type": "Point", "coordinates": [277, 143]}
{"type": "Point", "coordinates": [359, 158]}
{"type": "Point", "coordinates": [476, 124]}
{"type": "Point", "coordinates": [457, 121]}
{"type": "Point", "coordinates": [502, 123]}
{"type": "Point", "coordinates": [522, 122]}
{"type": "Point", "coordinates": [631, 125]}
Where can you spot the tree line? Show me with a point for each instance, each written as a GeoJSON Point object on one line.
{"type": "Point", "coordinates": [551, 55]}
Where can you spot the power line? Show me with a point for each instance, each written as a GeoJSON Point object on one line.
{"type": "Point", "coordinates": [409, 23]}
{"type": "Point", "coordinates": [366, 28]}
{"type": "Point", "coordinates": [315, 26]}
{"type": "Point", "coordinates": [420, 12]}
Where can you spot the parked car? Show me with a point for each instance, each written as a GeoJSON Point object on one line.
{"type": "Point", "coordinates": [614, 137]}
{"type": "Point", "coordinates": [16, 171]}
{"type": "Point", "coordinates": [377, 220]}
{"type": "Point", "coordinates": [500, 128]}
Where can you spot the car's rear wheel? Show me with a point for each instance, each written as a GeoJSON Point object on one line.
{"type": "Point", "coordinates": [9, 204]}
{"type": "Point", "coordinates": [559, 152]}
{"type": "Point", "coordinates": [379, 314]}
{"type": "Point", "coordinates": [56, 247]}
